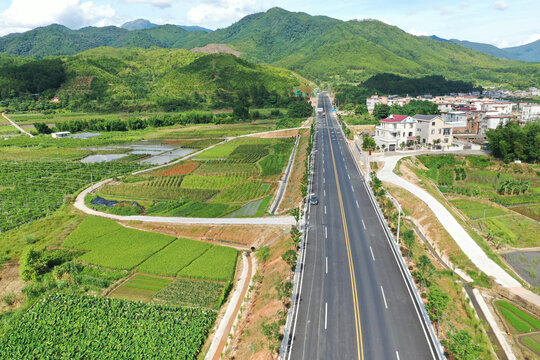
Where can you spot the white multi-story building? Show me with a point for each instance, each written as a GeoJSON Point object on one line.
{"type": "Point", "coordinates": [530, 112]}
{"type": "Point", "coordinates": [394, 131]}
{"type": "Point", "coordinates": [374, 100]}
{"type": "Point", "coordinates": [432, 129]}
{"type": "Point", "coordinates": [455, 118]}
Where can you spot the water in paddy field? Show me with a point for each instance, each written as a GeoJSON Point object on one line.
{"type": "Point", "coordinates": [93, 159]}
{"type": "Point", "coordinates": [167, 157]}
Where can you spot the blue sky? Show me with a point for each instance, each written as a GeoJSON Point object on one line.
{"type": "Point", "coordinates": [499, 22]}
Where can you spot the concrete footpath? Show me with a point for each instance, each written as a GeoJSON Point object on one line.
{"type": "Point", "coordinates": [17, 126]}
{"type": "Point", "coordinates": [270, 220]}
{"type": "Point", "coordinates": [458, 233]}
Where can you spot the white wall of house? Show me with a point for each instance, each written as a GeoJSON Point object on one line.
{"type": "Point", "coordinates": [432, 130]}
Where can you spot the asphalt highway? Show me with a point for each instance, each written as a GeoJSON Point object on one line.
{"type": "Point", "coordinates": [354, 302]}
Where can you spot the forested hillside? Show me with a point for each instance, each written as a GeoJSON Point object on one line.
{"type": "Point", "coordinates": [317, 47]}
{"type": "Point", "coordinates": [109, 79]}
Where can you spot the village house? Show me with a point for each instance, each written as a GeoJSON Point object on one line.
{"type": "Point", "coordinates": [433, 130]}
{"type": "Point", "coordinates": [395, 132]}
{"type": "Point", "coordinates": [374, 100]}
{"type": "Point", "coordinates": [530, 112]}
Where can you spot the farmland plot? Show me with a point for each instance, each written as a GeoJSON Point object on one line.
{"type": "Point", "coordinates": [218, 263]}
{"type": "Point", "coordinates": [186, 292]}
{"type": "Point", "coordinates": [120, 249]}
{"type": "Point", "coordinates": [104, 328]}
{"type": "Point", "coordinates": [34, 189]}
{"type": "Point", "coordinates": [174, 257]}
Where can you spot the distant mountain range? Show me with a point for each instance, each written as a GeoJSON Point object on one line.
{"type": "Point", "coordinates": [528, 52]}
{"type": "Point", "coordinates": [143, 24]}
{"type": "Point", "coordinates": [319, 48]}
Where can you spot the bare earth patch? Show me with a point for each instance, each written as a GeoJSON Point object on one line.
{"type": "Point", "coordinates": [241, 236]}
{"type": "Point", "coordinates": [277, 134]}
{"type": "Point", "coordinates": [293, 194]}
{"type": "Point", "coordinates": [10, 285]}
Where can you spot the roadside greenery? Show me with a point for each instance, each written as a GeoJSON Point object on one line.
{"type": "Point", "coordinates": [514, 142]}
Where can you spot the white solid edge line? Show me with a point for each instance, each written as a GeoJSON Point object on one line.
{"type": "Point", "coordinates": [352, 187]}
{"type": "Point", "coordinates": [358, 206]}
{"type": "Point", "coordinates": [373, 256]}
{"type": "Point", "coordinates": [327, 264]}
{"type": "Point", "coordinates": [363, 224]}
{"type": "Point", "coordinates": [325, 209]}
{"type": "Point", "coordinates": [325, 232]}
{"type": "Point", "coordinates": [384, 297]}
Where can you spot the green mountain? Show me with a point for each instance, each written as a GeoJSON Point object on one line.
{"type": "Point", "coordinates": [528, 52]}
{"type": "Point", "coordinates": [485, 48]}
{"type": "Point", "coordinates": [317, 47]}
{"type": "Point", "coordinates": [109, 79]}
{"type": "Point", "coordinates": [143, 24]}
{"type": "Point", "coordinates": [139, 24]}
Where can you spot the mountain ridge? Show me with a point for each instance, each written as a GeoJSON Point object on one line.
{"type": "Point", "coordinates": [317, 47]}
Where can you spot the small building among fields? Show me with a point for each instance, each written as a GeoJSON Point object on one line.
{"type": "Point", "coordinates": [61, 134]}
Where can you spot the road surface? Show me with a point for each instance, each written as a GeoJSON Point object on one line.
{"type": "Point", "coordinates": [17, 126]}
{"type": "Point", "coordinates": [354, 300]}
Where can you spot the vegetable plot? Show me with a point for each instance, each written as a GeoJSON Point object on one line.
{"type": "Point", "coordinates": [62, 326]}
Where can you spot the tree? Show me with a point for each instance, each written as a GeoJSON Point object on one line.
{"type": "Point", "coordinates": [408, 240]}
{"type": "Point", "coordinates": [437, 304]}
{"type": "Point", "coordinates": [368, 143]}
{"type": "Point", "coordinates": [32, 264]}
{"type": "Point", "coordinates": [289, 257]}
{"type": "Point", "coordinates": [241, 111]}
{"type": "Point", "coordinates": [461, 345]}
{"type": "Point", "coordinates": [273, 336]}
{"type": "Point", "coordinates": [300, 108]}
{"type": "Point", "coordinates": [361, 109]}
{"type": "Point", "coordinates": [42, 128]}
{"type": "Point", "coordinates": [425, 270]}
{"type": "Point", "coordinates": [381, 111]}
{"type": "Point", "coordinates": [284, 292]}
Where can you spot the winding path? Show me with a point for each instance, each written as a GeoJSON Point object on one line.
{"type": "Point", "coordinates": [458, 233]}
{"type": "Point", "coordinates": [269, 220]}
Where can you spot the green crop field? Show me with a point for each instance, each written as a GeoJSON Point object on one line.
{"type": "Point", "coordinates": [210, 168]}
{"type": "Point", "coordinates": [61, 326]}
{"type": "Point", "coordinates": [174, 257]}
{"type": "Point", "coordinates": [215, 182]}
{"type": "Point", "coordinates": [91, 228]}
{"type": "Point", "coordinates": [520, 320]}
{"type": "Point", "coordinates": [185, 292]}
{"type": "Point", "coordinates": [120, 249]}
{"type": "Point", "coordinates": [34, 189]}
{"type": "Point", "coordinates": [190, 208]}
{"type": "Point", "coordinates": [514, 229]}
{"type": "Point", "coordinates": [242, 192]}
{"type": "Point", "coordinates": [140, 288]}
{"type": "Point", "coordinates": [532, 342]}
{"type": "Point", "coordinates": [475, 209]}
{"type": "Point", "coordinates": [218, 264]}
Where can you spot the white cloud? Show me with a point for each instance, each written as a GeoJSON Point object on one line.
{"type": "Point", "coordinates": [500, 5]}
{"type": "Point", "coordinates": [162, 4]}
{"type": "Point", "coordinates": [23, 15]}
{"type": "Point", "coordinates": [443, 10]}
{"type": "Point", "coordinates": [214, 12]}
{"type": "Point", "coordinates": [463, 5]}
{"type": "Point", "coordinates": [500, 43]}
{"type": "Point", "coordinates": [415, 32]}
{"type": "Point", "coordinates": [531, 38]}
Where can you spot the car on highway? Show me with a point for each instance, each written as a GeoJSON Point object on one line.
{"type": "Point", "coordinates": [314, 200]}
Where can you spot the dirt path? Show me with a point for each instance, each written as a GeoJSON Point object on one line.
{"type": "Point", "coordinates": [17, 126]}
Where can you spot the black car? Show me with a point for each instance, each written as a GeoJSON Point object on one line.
{"type": "Point", "coordinates": [314, 200]}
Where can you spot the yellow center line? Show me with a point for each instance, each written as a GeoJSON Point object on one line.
{"type": "Point", "coordinates": [359, 342]}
